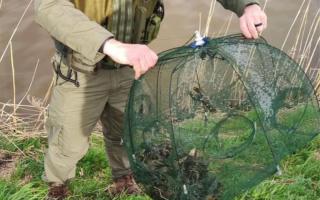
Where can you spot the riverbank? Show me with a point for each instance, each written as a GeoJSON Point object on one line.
{"type": "Point", "coordinates": [21, 160]}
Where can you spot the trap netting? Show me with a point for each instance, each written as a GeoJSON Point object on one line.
{"type": "Point", "coordinates": [210, 122]}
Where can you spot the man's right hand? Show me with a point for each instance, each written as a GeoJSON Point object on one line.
{"type": "Point", "coordinates": [140, 57]}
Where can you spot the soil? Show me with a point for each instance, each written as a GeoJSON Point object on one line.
{"type": "Point", "coordinates": [8, 163]}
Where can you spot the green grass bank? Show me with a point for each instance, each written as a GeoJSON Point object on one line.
{"type": "Point", "coordinates": [21, 166]}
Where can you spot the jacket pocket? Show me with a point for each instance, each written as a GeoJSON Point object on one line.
{"type": "Point", "coordinates": [80, 64]}
{"type": "Point", "coordinates": [147, 21]}
{"type": "Point", "coordinates": [152, 28]}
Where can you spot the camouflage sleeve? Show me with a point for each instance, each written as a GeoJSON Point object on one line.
{"type": "Point", "coordinates": [237, 6]}
{"type": "Point", "coordinates": [71, 27]}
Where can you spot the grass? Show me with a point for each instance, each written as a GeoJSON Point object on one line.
{"type": "Point", "coordinates": [25, 183]}
{"type": "Point", "coordinates": [300, 179]}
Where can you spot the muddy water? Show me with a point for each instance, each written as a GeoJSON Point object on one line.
{"type": "Point", "coordinates": [182, 19]}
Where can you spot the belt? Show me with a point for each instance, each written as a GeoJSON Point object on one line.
{"type": "Point", "coordinates": [106, 63]}
{"type": "Point", "coordinates": [109, 64]}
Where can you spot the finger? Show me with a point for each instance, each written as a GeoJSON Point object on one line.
{"type": "Point", "coordinates": [260, 28]}
{"type": "Point", "coordinates": [244, 29]}
{"type": "Point", "coordinates": [252, 29]}
{"type": "Point", "coordinates": [137, 70]}
{"type": "Point", "coordinates": [143, 65]}
{"type": "Point", "coordinates": [137, 75]}
{"type": "Point", "coordinates": [155, 58]}
{"type": "Point", "coordinates": [260, 23]}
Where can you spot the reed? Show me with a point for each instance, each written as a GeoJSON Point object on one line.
{"type": "Point", "coordinates": [16, 29]}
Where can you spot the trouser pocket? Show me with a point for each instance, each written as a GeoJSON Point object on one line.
{"type": "Point", "coordinates": [53, 130]}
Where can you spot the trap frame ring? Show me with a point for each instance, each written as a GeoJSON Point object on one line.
{"type": "Point", "coordinates": [233, 151]}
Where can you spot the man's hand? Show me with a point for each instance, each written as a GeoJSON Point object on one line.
{"type": "Point", "coordinates": [140, 57]}
{"type": "Point", "coordinates": [253, 21]}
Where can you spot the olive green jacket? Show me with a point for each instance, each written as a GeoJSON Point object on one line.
{"type": "Point", "coordinates": [83, 35]}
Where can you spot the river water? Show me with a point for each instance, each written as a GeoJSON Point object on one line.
{"type": "Point", "coordinates": [182, 19]}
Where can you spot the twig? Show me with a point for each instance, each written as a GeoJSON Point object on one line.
{"type": "Point", "coordinates": [314, 27]}
{"type": "Point", "coordinates": [160, 193]}
{"type": "Point", "coordinates": [2, 109]}
{"type": "Point", "coordinates": [294, 48]}
{"type": "Point", "coordinates": [1, 1]}
{"type": "Point", "coordinates": [15, 145]}
{"type": "Point", "coordinates": [10, 104]}
{"type": "Point", "coordinates": [28, 90]}
{"type": "Point", "coordinates": [225, 24]}
{"type": "Point", "coordinates": [5, 160]}
{"type": "Point", "coordinates": [9, 152]}
{"type": "Point", "coordinates": [37, 125]}
{"type": "Point", "coordinates": [15, 30]}
{"type": "Point", "coordinates": [13, 82]}
{"type": "Point", "coordinates": [292, 25]}
{"type": "Point", "coordinates": [32, 80]}
{"type": "Point", "coordinates": [312, 55]}
{"type": "Point", "coordinates": [301, 30]}
{"type": "Point", "coordinates": [313, 35]}
{"type": "Point", "coordinates": [200, 22]}
{"type": "Point", "coordinates": [265, 5]}
{"type": "Point", "coordinates": [229, 24]}
{"type": "Point", "coordinates": [210, 15]}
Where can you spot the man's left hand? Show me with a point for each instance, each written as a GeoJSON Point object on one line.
{"type": "Point", "coordinates": [253, 21]}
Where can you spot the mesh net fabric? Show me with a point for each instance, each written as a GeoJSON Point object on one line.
{"type": "Point", "coordinates": [213, 121]}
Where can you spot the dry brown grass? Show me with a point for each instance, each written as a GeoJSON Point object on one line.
{"type": "Point", "coordinates": [24, 118]}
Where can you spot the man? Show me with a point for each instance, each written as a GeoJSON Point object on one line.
{"type": "Point", "coordinates": [97, 49]}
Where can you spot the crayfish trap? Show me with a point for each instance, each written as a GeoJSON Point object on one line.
{"type": "Point", "coordinates": [211, 121]}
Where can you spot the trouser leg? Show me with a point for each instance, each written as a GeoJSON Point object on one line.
{"type": "Point", "coordinates": [117, 155]}
{"type": "Point", "coordinates": [112, 120]}
{"type": "Point", "coordinates": [73, 113]}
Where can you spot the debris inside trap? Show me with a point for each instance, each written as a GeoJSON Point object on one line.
{"type": "Point", "coordinates": [7, 163]}
{"type": "Point", "coordinates": [197, 181]}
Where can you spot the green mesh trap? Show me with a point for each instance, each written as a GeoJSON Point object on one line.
{"type": "Point", "coordinates": [210, 122]}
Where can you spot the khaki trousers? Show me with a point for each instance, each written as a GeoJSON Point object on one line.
{"type": "Point", "coordinates": [73, 113]}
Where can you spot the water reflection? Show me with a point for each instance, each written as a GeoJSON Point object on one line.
{"type": "Point", "coordinates": [182, 19]}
